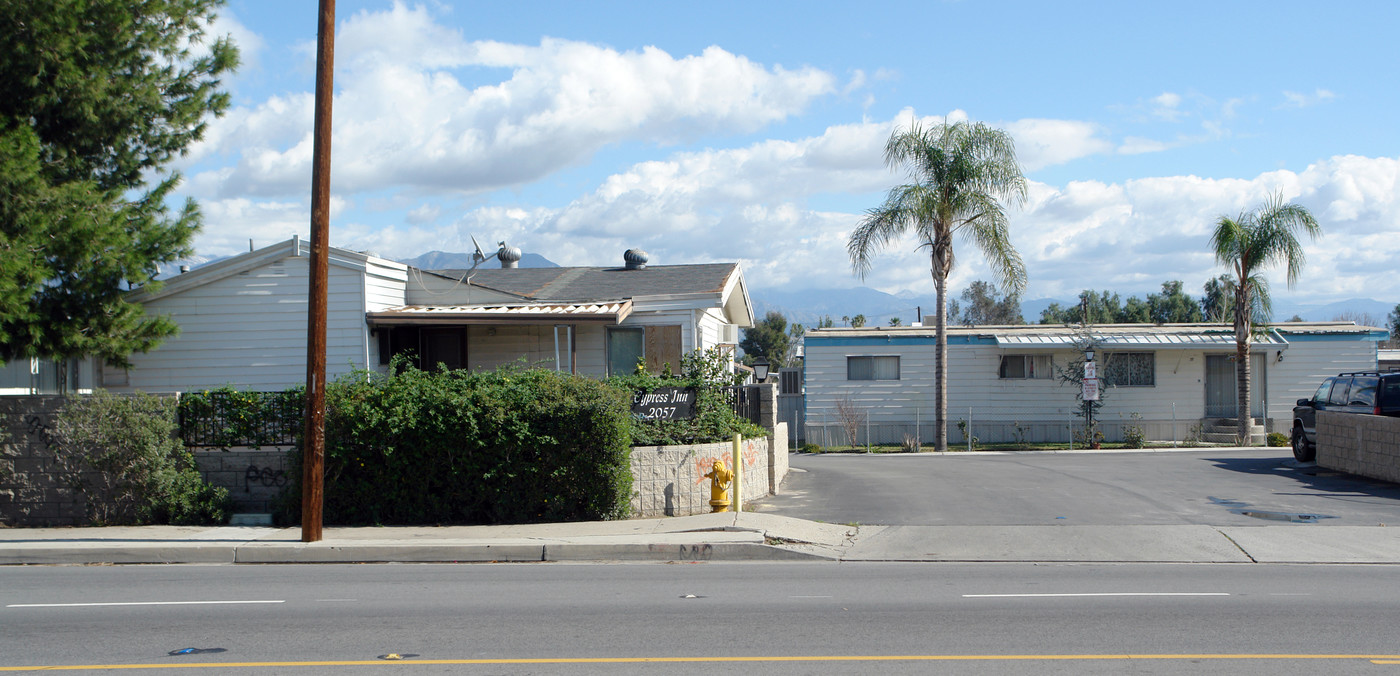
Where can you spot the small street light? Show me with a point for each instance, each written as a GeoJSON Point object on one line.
{"type": "Point", "coordinates": [760, 369]}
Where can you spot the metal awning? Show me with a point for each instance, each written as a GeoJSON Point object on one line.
{"type": "Point", "coordinates": [1146, 340]}
{"type": "Point", "coordinates": [606, 312]}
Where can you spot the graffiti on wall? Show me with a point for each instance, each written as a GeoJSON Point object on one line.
{"type": "Point", "coordinates": [263, 476]}
{"type": "Point", "coordinates": [36, 426]}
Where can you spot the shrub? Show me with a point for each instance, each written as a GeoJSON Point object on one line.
{"type": "Point", "coordinates": [708, 372]}
{"type": "Point", "coordinates": [811, 448]}
{"type": "Point", "coordinates": [1278, 439]}
{"type": "Point", "coordinates": [122, 455]}
{"type": "Point", "coordinates": [510, 446]}
{"type": "Point", "coordinates": [1133, 435]}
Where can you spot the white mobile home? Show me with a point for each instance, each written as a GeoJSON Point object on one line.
{"type": "Point", "coordinates": [243, 320]}
{"type": "Point", "coordinates": [1004, 380]}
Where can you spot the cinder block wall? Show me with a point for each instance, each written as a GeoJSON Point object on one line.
{"type": "Point", "coordinates": [670, 480]}
{"type": "Point", "coordinates": [254, 477]}
{"type": "Point", "coordinates": [1368, 445]}
{"type": "Point", "coordinates": [34, 491]}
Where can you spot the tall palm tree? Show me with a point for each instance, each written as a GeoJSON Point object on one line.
{"type": "Point", "coordinates": [1248, 243]}
{"type": "Point", "coordinates": [958, 175]}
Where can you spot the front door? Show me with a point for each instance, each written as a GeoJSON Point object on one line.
{"type": "Point", "coordinates": [1221, 395]}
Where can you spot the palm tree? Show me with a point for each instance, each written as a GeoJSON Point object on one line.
{"type": "Point", "coordinates": [959, 173]}
{"type": "Point", "coordinates": [1248, 243]}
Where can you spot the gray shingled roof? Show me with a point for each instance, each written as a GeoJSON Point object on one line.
{"type": "Point", "coordinates": [594, 284]}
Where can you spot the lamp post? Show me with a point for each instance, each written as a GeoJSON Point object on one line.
{"type": "Point", "coordinates": [760, 369]}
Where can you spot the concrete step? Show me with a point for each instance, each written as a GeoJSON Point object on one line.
{"type": "Point", "coordinates": [1255, 439]}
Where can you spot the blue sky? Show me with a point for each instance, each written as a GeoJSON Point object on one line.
{"type": "Point", "coordinates": [752, 131]}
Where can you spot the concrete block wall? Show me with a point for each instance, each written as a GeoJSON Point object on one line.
{"type": "Point", "coordinates": [254, 477]}
{"type": "Point", "coordinates": [34, 489]}
{"type": "Point", "coordinates": [670, 480]}
{"type": "Point", "coordinates": [1367, 445]}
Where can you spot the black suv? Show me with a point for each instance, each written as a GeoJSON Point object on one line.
{"type": "Point", "coordinates": [1365, 392]}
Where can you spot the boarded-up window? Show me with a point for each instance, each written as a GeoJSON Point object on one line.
{"type": "Point", "coordinates": [663, 346]}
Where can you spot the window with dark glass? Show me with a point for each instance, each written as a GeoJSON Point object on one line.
{"type": "Point", "coordinates": [872, 368]}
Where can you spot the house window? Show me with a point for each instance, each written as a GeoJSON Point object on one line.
{"type": "Point", "coordinates": [625, 347]}
{"type": "Point", "coordinates": [1131, 369]}
{"type": "Point", "coordinates": [1028, 366]}
{"type": "Point", "coordinates": [872, 368]}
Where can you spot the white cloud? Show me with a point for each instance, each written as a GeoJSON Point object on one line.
{"type": "Point", "coordinates": [1041, 143]}
{"type": "Point", "coordinates": [1167, 106]}
{"type": "Point", "coordinates": [418, 106]}
{"type": "Point", "coordinates": [1304, 100]}
{"type": "Point", "coordinates": [1136, 145]}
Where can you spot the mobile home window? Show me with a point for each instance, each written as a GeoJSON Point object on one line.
{"type": "Point", "coordinates": [872, 368]}
{"type": "Point", "coordinates": [1028, 366]}
{"type": "Point", "coordinates": [1131, 369]}
{"type": "Point", "coordinates": [625, 347]}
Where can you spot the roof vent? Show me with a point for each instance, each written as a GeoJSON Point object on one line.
{"type": "Point", "coordinates": [184, 269]}
{"type": "Point", "coordinates": [509, 256]}
{"type": "Point", "coordinates": [636, 259]}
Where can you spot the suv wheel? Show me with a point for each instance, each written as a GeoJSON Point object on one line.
{"type": "Point", "coordinates": [1302, 450]}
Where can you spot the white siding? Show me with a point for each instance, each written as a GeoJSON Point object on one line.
{"type": "Point", "coordinates": [385, 286]}
{"type": "Point", "coordinates": [249, 330]}
{"type": "Point", "coordinates": [1306, 363]}
{"type": "Point", "coordinates": [1047, 405]}
{"type": "Point", "coordinates": [711, 327]}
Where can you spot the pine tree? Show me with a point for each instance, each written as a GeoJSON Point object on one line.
{"type": "Point", "coordinates": [96, 98]}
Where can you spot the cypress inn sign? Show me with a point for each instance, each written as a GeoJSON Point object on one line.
{"type": "Point", "coordinates": [664, 403]}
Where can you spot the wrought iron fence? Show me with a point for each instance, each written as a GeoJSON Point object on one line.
{"type": "Point", "coordinates": [227, 418]}
{"type": "Point", "coordinates": [744, 403]}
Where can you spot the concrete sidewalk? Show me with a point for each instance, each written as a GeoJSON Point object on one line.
{"type": "Point", "coordinates": [747, 536]}
{"type": "Point", "coordinates": [727, 536]}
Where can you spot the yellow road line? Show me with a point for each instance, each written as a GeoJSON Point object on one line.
{"type": "Point", "coordinates": [1377, 659]}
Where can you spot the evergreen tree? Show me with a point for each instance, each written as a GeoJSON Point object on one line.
{"type": "Point", "coordinates": [769, 339]}
{"type": "Point", "coordinates": [96, 98]}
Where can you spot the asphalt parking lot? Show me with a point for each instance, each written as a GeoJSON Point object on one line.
{"type": "Point", "coordinates": [1215, 487]}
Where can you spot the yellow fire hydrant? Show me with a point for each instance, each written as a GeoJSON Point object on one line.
{"type": "Point", "coordinates": [720, 476]}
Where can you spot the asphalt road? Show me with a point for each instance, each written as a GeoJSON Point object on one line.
{"type": "Point", "coordinates": [755, 618]}
{"type": "Point", "coordinates": [1204, 487]}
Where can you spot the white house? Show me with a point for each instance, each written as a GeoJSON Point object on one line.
{"type": "Point", "coordinates": [243, 319]}
{"type": "Point", "coordinates": [1003, 380]}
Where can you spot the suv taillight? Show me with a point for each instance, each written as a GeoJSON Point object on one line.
{"type": "Point", "coordinates": [1376, 410]}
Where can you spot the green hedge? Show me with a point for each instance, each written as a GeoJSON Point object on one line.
{"type": "Point", "coordinates": [511, 446]}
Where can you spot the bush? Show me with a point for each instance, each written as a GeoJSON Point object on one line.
{"type": "Point", "coordinates": [1278, 439]}
{"type": "Point", "coordinates": [510, 446]}
{"type": "Point", "coordinates": [709, 373]}
{"type": "Point", "coordinates": [811, 448]}
{"type": "Point", "coordinates": [122, 455]}
{"type": "Point", "coordinates": [1133, 435]}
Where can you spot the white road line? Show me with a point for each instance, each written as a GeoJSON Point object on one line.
{"type": "Point", "coordinates": [809, 597]}
{"type": "Point", "coordinates": [134, 603]}
{"type": "Point", "coordinates": [1034, 596]}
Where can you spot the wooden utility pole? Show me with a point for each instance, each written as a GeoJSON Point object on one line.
{"type": "Point", "coordinates": [313, 459]}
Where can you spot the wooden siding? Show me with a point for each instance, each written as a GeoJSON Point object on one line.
{"type": "Point", "coordinates": [249, 330]}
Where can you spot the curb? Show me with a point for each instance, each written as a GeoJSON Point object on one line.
{"type": "Point", "coordinates": [265, 553]}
